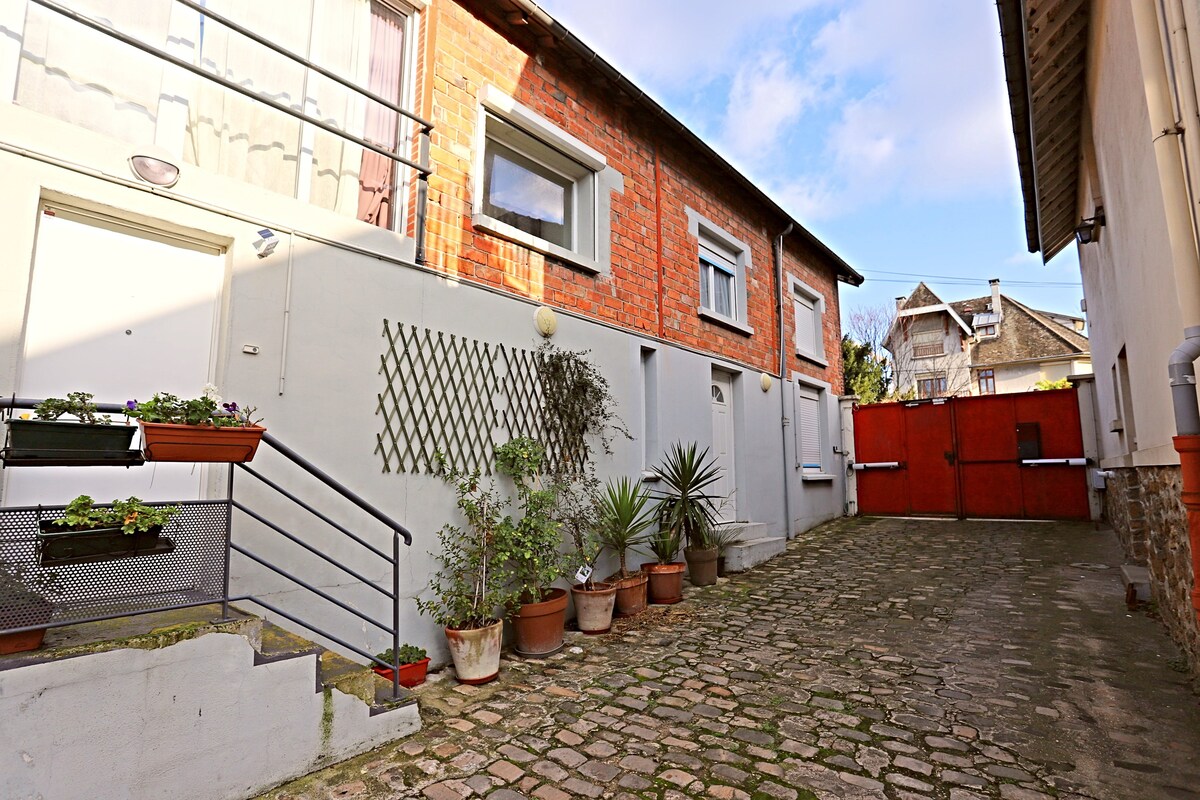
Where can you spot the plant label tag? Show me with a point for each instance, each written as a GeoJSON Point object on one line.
{"type": "Point", "coordinates": [583, 574]}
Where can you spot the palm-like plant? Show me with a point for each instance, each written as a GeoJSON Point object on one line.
{"type": "Point", "coordinates": [664, 544]}
{"type": "Point", "coordinates": [624, 516]}
{"type": "Point", "coordinates": [684, 505]}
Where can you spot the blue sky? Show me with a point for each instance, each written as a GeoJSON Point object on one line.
{"type": "Point", "coordinates": [882, 126]}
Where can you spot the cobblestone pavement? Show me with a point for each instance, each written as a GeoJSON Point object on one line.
{"type": "Point", "coordinates": [875, 659]}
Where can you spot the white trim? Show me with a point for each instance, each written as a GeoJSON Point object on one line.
{"type": "Point", "coordinates": [599, 181]}
{"type": "Point", "coordinates": [505, 107]}
{"type": "Point", "coordinates": [798, 286]}
{"type": "Point", "coordinates": [738, 252]}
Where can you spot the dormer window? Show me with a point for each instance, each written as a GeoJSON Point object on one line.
{"type": "Point", "coordinates": [985, 330]}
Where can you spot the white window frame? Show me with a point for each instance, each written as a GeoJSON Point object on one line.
{"type": "Point", "coordinates": [819, 391]}
{"type": "Point", "coordinates": [801, 290]}
{"type": "Point", "coordinates": [517, 127]}
{"type": "Point", "coordinates": [716, 240]}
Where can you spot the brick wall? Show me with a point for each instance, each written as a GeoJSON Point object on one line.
{"type": "Point", "coordinates": [1144, 507]}
{"type": "Point", "coordinates": [465, 54]}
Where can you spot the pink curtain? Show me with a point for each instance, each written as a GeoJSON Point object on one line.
{"type": "Point", "coordinates": [377, 176]}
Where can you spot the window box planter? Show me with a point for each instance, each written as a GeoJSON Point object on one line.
{"type": "Point", "coordinates": [204, 443]}
{"type": "Point", "coordinates": [68, 443]}
{"type": "Point", "coordinates": [410, 674]}
{"type": "Point", "coordinates": [58, 545]}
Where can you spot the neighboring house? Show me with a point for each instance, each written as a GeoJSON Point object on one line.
{"type": "Point", "coordinates": [985, 345]}
{"type": "Point", "coordinates": [385, 327]}
{"type": "Point", "coordinates": [1104, 110]}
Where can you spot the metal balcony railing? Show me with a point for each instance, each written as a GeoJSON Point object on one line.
{"type": "Point", "coordinates": [421, 167]}
{"type": "Point", "coordinates": [196, 571]}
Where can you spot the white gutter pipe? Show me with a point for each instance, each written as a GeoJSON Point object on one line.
{"type": "Point", "coordinates": [1181, 230]}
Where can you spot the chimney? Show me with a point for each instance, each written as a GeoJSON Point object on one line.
{"type": "Point", "coordinates": [995, 284]}
{"type": "Point", "coordinates": [900, 301]}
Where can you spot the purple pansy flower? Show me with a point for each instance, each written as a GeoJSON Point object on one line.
{"type": "Point", "coordinates": [131, 405]}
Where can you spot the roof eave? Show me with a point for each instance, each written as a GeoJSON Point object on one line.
{"type": "Point", "coordinates": [531, 13]}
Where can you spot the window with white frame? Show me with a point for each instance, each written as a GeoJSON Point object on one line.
{"type": "Point", "coordinates": [538, 185]}
{"type": "Point", "coordinates": [811, 434]}
{"type": "Point", "coordinates": [808, 308]}
{"type": "Point", "coordinates": [718, 279]}
{"type": "Point", "coordinates": [722, 261]}
{"type": "Point", "coordinates": [69, 72]}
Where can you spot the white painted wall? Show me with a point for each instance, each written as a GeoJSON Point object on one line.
{"type": "Point", "coordinates": [208, 724]}
{"type": "Point", "coordinates": [315, 311]}
{"type": "Point", "coordinates": [1127, 278]}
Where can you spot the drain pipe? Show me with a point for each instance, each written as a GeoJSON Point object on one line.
{"type": "Point", "coordinates": [784, 422]}
{"type": "Point", "coordinates": [1181, 231]}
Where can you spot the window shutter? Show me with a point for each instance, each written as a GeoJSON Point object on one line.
{"type": "Point", "coordinates": [808, 429]}
{"type": "Point", "coordinates": [806, 325]}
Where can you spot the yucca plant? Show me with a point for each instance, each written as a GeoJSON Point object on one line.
{"type": "Point", "coordinates": [664, 544]}
{"type": "Point", "coordinates": [684, 505]}
{"type": "Point", "coordinates": [624, 515]}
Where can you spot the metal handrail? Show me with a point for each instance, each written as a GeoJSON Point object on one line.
{"type": "Point", "coordinates": [399, 533]}
{"type": "Point", "coordinates": [421, 166]}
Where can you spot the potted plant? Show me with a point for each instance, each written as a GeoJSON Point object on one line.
{"type": "Point", "coordinates": [577, 511]}
{"type": "Point", "coordinates": [86, 532]}
{"type": "Point", "coordinates": [533, 551]}
{"type": "Point", "coordinates": [413, 662]}
{"type": "Point", "coordinates": [24, 601]}
{"type": "Point", "coordinates": [624, 517]}
{"type": "Point", "coordinates": [686, 507]}
{"type": "Point", "coordinates": [721, 537]}
{"type": "Point", "coordinates": [88, 438]}
{"type": "Point", "coordinates": [196, 430]}
{"type": "Point", "coordinates": [665, 585]}
{"type": "Point", "coordinates": [471, 596]}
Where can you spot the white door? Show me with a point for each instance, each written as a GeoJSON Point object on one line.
{"type": "Point", "coordinates": [122, 313]}
{"type": "Point", "coordinates": [722, 447]}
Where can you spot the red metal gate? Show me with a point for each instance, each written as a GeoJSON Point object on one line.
{"type": "Point", "coordinates": [1004, 456]}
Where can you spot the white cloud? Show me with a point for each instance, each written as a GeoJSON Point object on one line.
{"type": "Point", "coordinates": [767, 96]}
{"type": "Point", "coordinates": [674, 44]}
{"type": "Point", "coordinates": [925, 113]}
{"type": "Point", "coordinates": [886, 102]}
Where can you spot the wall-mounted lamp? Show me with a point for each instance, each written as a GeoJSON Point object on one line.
{"type": "Point", "coordinates": [1088, 230]}
{"type": "Point", "coordinates": [266, 242]}
{"type": "Point", "coordinates": [155, 170]}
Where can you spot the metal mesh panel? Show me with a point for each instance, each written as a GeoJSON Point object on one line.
{"type": "Point", "coordinates": [193, 571]}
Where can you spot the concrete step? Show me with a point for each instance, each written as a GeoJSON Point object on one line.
{"type": "Point", "coordinates": [247, 679]}
{"type": "Point", "coordinates": [1137, 583]}
{"type": "Point", "coordinates": [750, 553]}
{"type": "Point", "coordinates": [333, 671]}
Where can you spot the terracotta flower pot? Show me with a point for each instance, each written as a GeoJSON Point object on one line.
{"type": "Point", "coordinates": [538, 627]}
{"type": "Point", "coordinates": [666, 582]}
{"type": "Point", "coordinates": [631, 595]}
{"type": "Point", "coordinates": [27, 610]}
{"type": "Point", "coordinates": [410, 674]}
{"type": "Point", "coordinates": [702, 565]}
{"type": "Point", "coordinates": [204, 443]}
{"type": "Point", "coordinates": [476, 652]}
{"type": "Point", "coordinates": [594, 607]}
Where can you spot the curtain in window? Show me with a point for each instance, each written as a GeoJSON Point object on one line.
{"type": "Point", "coordinates": [83, 77]}
{"type": "Point", "coordinates": [231, 134]}
{"type": "Point", "coordinates": [806, 324]}
{"type": "Point", "coordinates": [344, 48]}
{"type": "Point", "coordinates": [378, 172]}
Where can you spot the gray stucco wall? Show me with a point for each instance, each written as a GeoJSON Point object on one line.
{"type": "Point", "coordinates": [315, 310]}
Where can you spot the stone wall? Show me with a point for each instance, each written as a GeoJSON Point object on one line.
{"type": "Point", "coordinates": [1144, 507]}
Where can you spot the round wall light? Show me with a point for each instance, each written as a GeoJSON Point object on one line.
{"type": "Point", "coordinates": [764, 380]}
{"type": "Point", "coordinates": [546, 321]}
{"type": "Point", "coordinates": [154, 170]}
